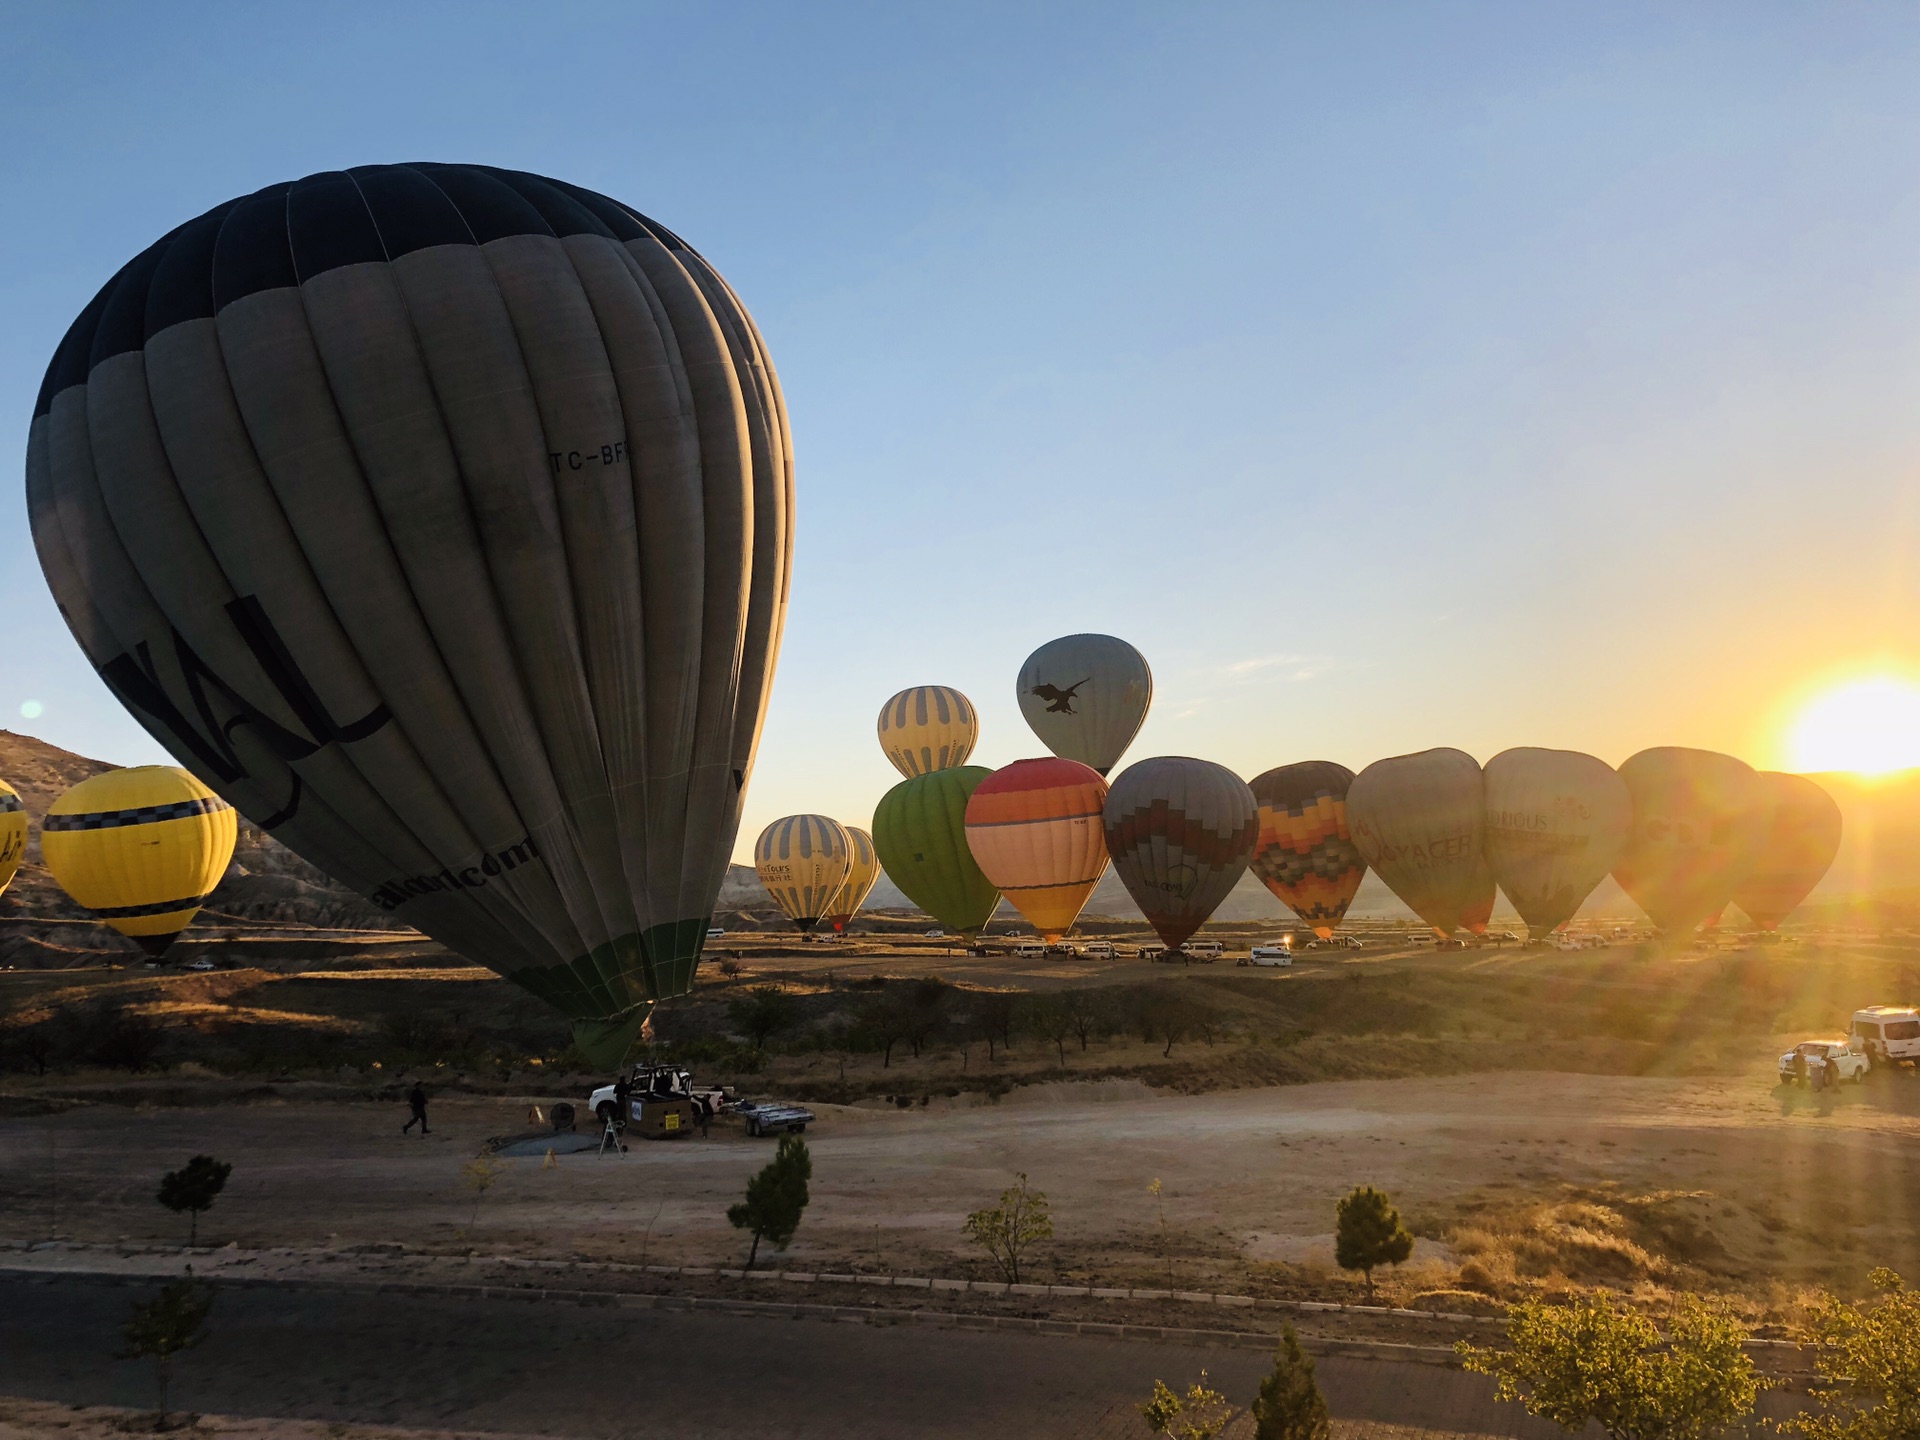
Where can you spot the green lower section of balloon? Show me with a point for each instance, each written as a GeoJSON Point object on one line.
{"type": "Point", "coordinates": [608, 982]}
{"type": "Point", "coordinates": [605, 1043]}
{"type": "Point", "coordinates": [920, 835]}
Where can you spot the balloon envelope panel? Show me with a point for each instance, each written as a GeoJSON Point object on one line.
{"type": "Point", "coordinates": [13, 834]}
{"type": "Point", "coordinates": [1556, 822]}
{"type": "Point", "coordinates": [1035, 830]}
{"type": "Point", "coordinates": [1420, 821]}
{"type": "Point", "coordinates": [1305, 855]}
{"type": "Point", "coordinates": [927, 728]}
{"type": "Point", "coordinates": [142, 848]}
{"type": "Point", "coordinates": [863, 872]}
{"type": "Point", "coordinates": [437, 517]}
{"type": "Point", "coordinates": [804, 861]}
{"type": "Point", "coordinates": [1700, 821]}
{"type": "Point", "coordinates": [1802, 840]}
{"type": "Point", "coordinates": [1180, 832]}
{"type": "Point", "coordinates": [919, 832]}
{"type": "Point", "coordinates": [1086, 697]}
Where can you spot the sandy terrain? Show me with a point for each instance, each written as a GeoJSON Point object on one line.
{"type": "Point", "coordinates": [1716, 1181]}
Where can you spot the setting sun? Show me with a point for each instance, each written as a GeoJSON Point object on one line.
{"type": "Point", "coordinates": [1870, 727]}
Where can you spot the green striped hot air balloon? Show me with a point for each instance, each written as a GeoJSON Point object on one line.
{"type": "Point", "coordinates": [920, 833]}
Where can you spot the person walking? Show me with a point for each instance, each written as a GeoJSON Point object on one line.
{"type": "Point", "coordinates": [417, 1103]}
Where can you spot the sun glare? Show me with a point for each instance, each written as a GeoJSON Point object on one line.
{"type": "Point", "coordinates": [1870, 727]}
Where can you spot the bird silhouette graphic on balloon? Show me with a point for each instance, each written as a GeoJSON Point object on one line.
{"type": "Point", "coordinates": [1059, 702]}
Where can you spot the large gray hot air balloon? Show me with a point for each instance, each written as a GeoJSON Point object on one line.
{"type": "Point", "coordinates": [1180, 832]}
{"type": "Point", "coordinates": [438, 517]}
{"type": "Point", "coordinates": [1420, 821]}
{"type": "Point", "coordinates": [1086, 697]}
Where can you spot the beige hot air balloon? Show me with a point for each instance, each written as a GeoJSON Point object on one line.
{"type": "Point", "coordinates": [1700, 823]}
{"type": "Point", "coordinates": [1556, 822]}
{"type": "Point", "coordinates": [863, 873]}
{"type": "Point", "coordinates": [928, 728]}
{"type": "Point", "coordinates": [1420, 821]}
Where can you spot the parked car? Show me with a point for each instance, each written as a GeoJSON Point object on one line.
{"type": "Point", "coordinates": [1269, 955]}
{"type": "Point", "coordinates": [201, 964]}
{"type": "Point", "coordinates": [1151, 953]}
{"type": "Point", "coordinates": [714, 932]}
{"type": "Point", "coordinates": [1848, 1058]}
{"type": "Point", "coordinates": [1064, 950]}
{"type": "Point", "coordinates": [1889, 1034]}
{"type": "Point", "coordinates": [936, 934]}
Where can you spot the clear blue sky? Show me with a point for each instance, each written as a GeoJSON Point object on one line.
{"type": "Point", "coordinates": [1392, 375]}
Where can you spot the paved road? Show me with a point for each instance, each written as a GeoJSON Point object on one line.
{"type": "Point", "coordinates": [555, 1368]}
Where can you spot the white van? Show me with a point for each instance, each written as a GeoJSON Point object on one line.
{"type": "Point", "coordinates": [1270, 955]}
{"type": "Point", "coordinates": [1030, 950]}
{"type": "Point", "coordinates": [1098, 950]}
{"type": "Point", "coordinates": [1204, 949]}
{"type": "Point", "coordinates": [1889, 1033]}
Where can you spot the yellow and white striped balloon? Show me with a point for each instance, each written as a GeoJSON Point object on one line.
{"type": "Point", "coordinates": [928, 728]}
{"type": "Point", "coordinates": [803, 861]}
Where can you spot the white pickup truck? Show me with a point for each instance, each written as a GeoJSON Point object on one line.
{"type": "Point", "coordinates": [1848, 1061]}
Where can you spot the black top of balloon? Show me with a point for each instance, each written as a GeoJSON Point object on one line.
{"type": "Point", "coordinates": [290, 232]}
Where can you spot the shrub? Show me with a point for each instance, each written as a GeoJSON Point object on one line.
{"type": "Point", "coordinates": [1007, 1230]}
{"type": "Point", "coordinates": [1290, 1405]}
{"type": "Point", "coordinates": [175, 1320]}
{"type": "Point", "coordinates": [1200, 1414]}
{"type": "Point", "coordinates": [762, 1013]}
{"type": "Point", "coordinates": [1590, 1362]}
{"type": "Point", "coordinates": [1869, 1355]}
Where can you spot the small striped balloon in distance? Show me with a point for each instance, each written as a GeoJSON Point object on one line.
{"type": "Point", "coordinates": [803, 861]}
{"type": "Point", "coordinates": [1034, 828]}
{"type": "Point", "coordinates": [1304, 854]}
{"type": "Point", "coordinates": [1802, 840]}
{"type": "Point", "coordinates": [1420, 822]}
{"type": "Point", "coordinates": [141, 848]}
{"type": "Point", "coordinates": [863, 873]}
{"type": "Point", "coordinates": [928, 727]}
{"type": "Point", "coordinates": [1180, 832]}
{"type": "Point", "coordinates": [13, 834]}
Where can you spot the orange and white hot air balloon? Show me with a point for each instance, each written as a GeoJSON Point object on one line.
{"type": "Point", "coordinates": [1035, 831]}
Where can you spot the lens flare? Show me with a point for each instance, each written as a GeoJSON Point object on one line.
{"type": "Point", "coordinates": [1869, 727]}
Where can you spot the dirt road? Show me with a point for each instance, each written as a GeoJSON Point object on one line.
{"type": "Point", "coordinates": [560, 1370]}
{"type": "Point", "coordinates": [1730, 1173]}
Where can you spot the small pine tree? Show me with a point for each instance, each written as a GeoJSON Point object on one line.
{"type": "Point", "coordinates": [192, 1188]}
{"type": "Point", "coordinates": [173, 1321]}
{"type": "Point", "coordinates": [1367, 1233]}
{"type": "Point", "coordinates": [776, 1197]}
{"type": "Point", "coordinates": [1290, 1405]}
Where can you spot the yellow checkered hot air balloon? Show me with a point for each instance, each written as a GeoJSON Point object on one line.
{"type": "Point", "coordinates": [141, 848]}
{"type": "Point", "coordinates": [928, 728]}
{"type": "Point", "coordinates": [13, 834]}
{"type": "Point", "coordinates": [803, 860]}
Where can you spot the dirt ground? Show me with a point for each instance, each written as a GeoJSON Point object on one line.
{"type": "Point", "coordinates": [1513, 1181]}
